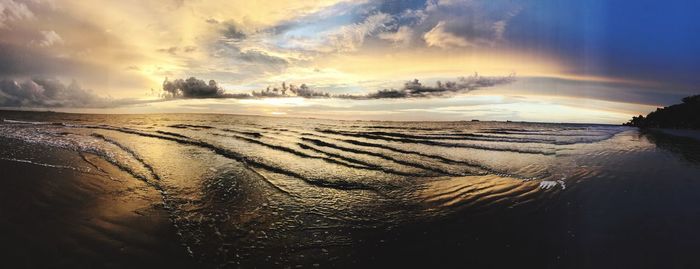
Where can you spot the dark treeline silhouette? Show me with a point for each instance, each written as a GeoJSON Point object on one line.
{"type": "Point", "coordinates": [680, 116]}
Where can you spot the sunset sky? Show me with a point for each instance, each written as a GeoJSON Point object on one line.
{"type": "Point", "coordinates": [574, 61]}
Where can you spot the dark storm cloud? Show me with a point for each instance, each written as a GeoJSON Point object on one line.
{"type": "Point", "coordinates": [196, 88]}
{"type": "Point", "coordinates": [43, 92]}
{"type": "Point", "coordinates": [192, 88]}
{"type": "Point", "coordinates": [23, 60]}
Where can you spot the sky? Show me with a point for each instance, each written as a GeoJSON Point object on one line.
{"type": "Point", "coordinates": [590, 61]}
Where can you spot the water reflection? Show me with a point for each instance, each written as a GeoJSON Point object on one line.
{"type": "Point", "coordinates": [261, 192]}
{"type": "Point", "coordinates": [476, 192]}
{"type": "Point", "coordinates": [687, 149]}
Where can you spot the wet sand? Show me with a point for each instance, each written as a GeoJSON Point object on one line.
{"type": "Point", "coordinates": [59, 211]}
{"type": "Point", "coordinates": [255, 193]}
{"type": "Point", "coordinates": [694, 134]}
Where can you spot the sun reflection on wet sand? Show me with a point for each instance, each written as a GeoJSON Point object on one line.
{"type": "Point", "coordinates": [476, 191]}
{"type": "Point", "coordinates": [90, 209]}
{"type": "Point", "coordinates": [253, 191]}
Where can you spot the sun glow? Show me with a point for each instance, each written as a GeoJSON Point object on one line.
{"type": "Point", "coordinates": [284, 102]}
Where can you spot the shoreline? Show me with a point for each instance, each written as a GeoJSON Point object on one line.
{"type": "Point", "coordinates": [693, 134]}
{"type": "Point", "coordinates": [79, 212]}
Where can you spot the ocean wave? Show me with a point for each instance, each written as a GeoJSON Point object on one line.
{"type": "Point", "coordinates": [300, 185]}
{"type": "Point", "coordinates": [58, 166]}
{"type": "Point", "coordinates": [185, 126]}
{"type": "Point", "coordinates": [438, 143]}
{"type": "Point", "coordinates": [32, 122]}
{"type": "Point", "coordinates": [342, 185]}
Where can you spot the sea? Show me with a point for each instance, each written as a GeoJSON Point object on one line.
{"type": "Point", "coordinates": [257, 191]}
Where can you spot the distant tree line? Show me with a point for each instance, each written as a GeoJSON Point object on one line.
{"type": "Point", "coordinates": [680, 116]}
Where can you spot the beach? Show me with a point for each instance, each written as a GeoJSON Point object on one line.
{"type": "Point", "coordinates": [694, 134]}
{"type": "Point", "coordinates": [59, 211]}
{"type": "Point", "coordinates": [213, 191]}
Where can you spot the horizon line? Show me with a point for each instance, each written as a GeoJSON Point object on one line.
{"type": "Point", "coordinates": [297, 117]}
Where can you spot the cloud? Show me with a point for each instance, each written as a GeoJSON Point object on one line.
{"type": "Point", "coordinates": [351, 37]}
{"type": "Point", "coordinates": [232, 31]}
{"type": "Point", "coordinates": [458, 23]}
{"type": "Point", "coordinates": [122, 57]}
{"type": "Point", "coordinates": [499, 29]}
{"type": "Point", "coordinates": [188, 49]}
{"type": "Point", "coordinates": [195, 88]}
{"type": "Point", "coordinates": [261, 57]}
{"type": "Point", "coordinates": [401, 38]}
{"type": "Point", "coordinates": [11, 11]}
{"type": "Point", "coordinates": [27, 61]}
{"type": "Point", "coordinates": [42, 92]}
{"type": "Point", "coordinates": [49, 38]}
{"type": "Point", "coordinates": [438, 24]}
{"type": "Point", "coordinates": [170, 50]}
{"type": "Point", "coordinates": [192, 88]}
{"type": "Point", "coordinates": [415, 89]}
{"type": "Point", "coordinates": [290, 91]}
{"type": "Point", "coordinates": [176, 50]}
{"type": "Point", "coordinates": [438, 37]}
{"type": "Point", "coordinates": [179, 3]}
{"type": "Point", "coordinates": [59, 40]}
{"type": "Point", "coordinates": [304, 35]}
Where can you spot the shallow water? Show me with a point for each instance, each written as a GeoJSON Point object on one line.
{"type": "Point", "coordinates": [262, 191]}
